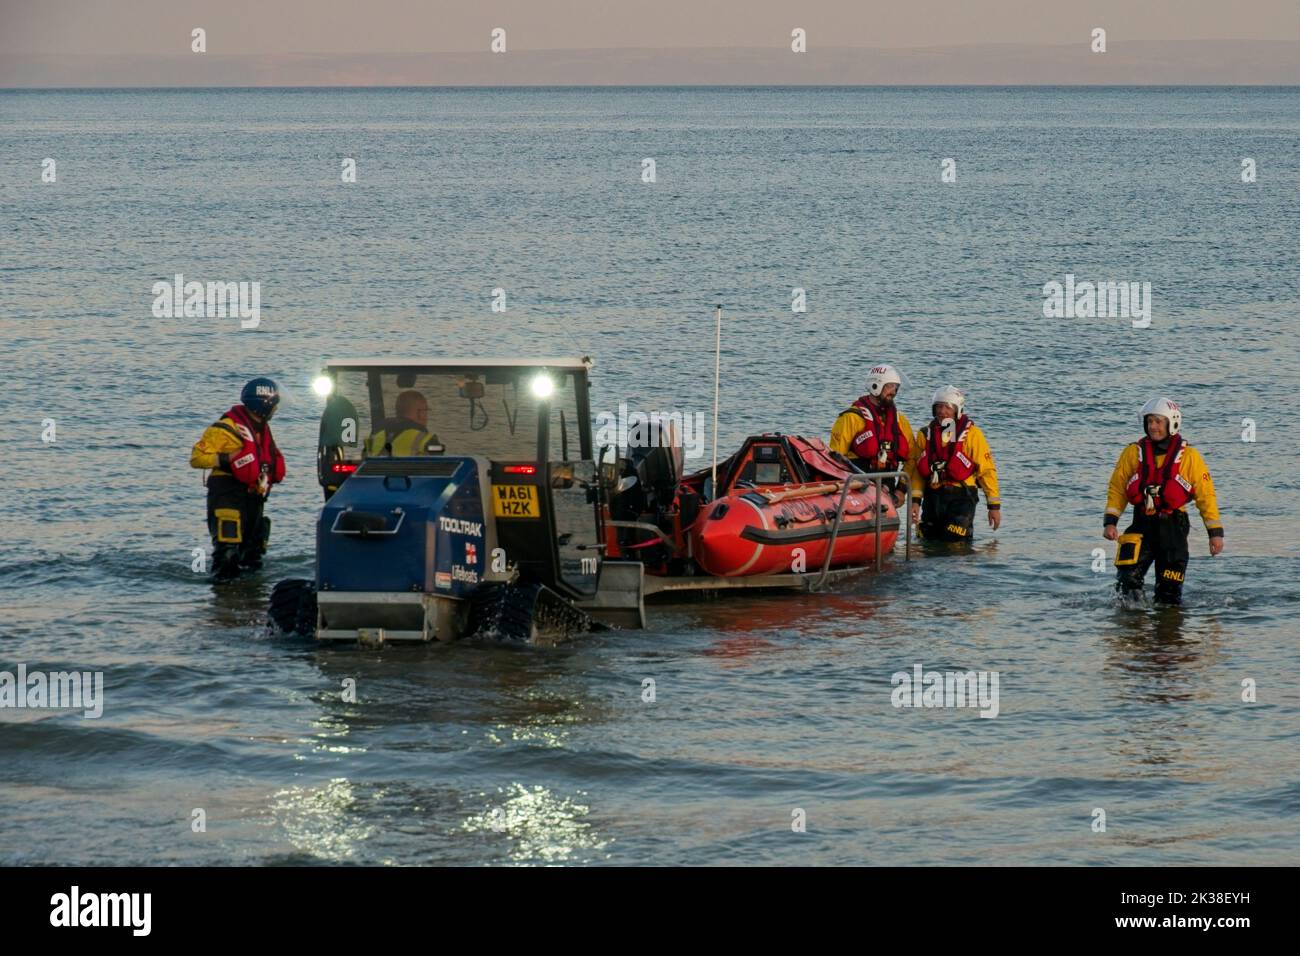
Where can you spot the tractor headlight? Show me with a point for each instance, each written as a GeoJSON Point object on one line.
{"type": "Point", "coordinates": [323, 385]}
{"type": "Point", "coordinates": [543, 386]}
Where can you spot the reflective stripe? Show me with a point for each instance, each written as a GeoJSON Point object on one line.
{"type": "Point", "coordinates": [229, 526]}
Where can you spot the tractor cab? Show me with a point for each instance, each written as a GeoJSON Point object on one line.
{"type": "Point", "coordinates": [501, 409]}
{"type": "Point", "coordinates": [443, 477]}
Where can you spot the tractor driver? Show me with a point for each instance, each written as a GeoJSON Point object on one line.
{"type": "Point", "coordinates": [407, 433]}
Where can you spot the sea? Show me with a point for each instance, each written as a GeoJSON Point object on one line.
{"type": "Point", "coordinates": [837, 228]}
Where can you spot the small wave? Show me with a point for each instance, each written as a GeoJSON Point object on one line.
{"type": "Point", "coordinates": [1110, 600]}
{"type": "Point", "coordinates": [143, 568]}
{"type": "Point", "coordinates": [32, 744]}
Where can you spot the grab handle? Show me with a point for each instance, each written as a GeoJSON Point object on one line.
{"type": "Point", "coordinates": [363, 523]}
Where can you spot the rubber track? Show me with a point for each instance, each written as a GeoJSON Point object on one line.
{"type": "Point", "coordinates": [293, 606]}
{"type": "Point", "coordinates": [508, 612]}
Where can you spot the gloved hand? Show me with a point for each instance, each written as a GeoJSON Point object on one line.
{"type": "Point", "coordinates": [223, 460]}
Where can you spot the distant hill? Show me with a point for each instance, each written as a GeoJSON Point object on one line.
{"type": "Point", "coordinates": [1188, 62]}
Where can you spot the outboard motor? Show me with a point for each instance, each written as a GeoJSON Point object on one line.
{"type": "Point", "coordinates": [657, 466]}
{"type": "Point", "coordinates": [647, 490]}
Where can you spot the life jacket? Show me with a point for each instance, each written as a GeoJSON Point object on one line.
{"type": "Point", "coordinates": [880, 444]}
{"type": "Point", "coordinates": [1159, 490]}
{"type": "Point", "coordinates": [946, 463]}
{"type": "Point", "coordinates": [258, 456]}
{"type": "Point", "coordinates": [405, 436]}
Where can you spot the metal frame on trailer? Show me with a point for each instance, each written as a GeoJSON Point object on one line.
{"type": "Point", "coordinates": [860, 481]}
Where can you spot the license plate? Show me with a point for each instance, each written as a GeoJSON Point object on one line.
{"type": "Point", "coordinates": [515, 501]}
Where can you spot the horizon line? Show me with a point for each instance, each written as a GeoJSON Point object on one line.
{"type": "Point", "coordinates": [654, 86]}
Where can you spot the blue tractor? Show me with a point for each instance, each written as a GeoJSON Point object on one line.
{"type": "Point", "coordinates": [461, 496]}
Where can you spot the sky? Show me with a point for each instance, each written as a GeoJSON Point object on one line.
{"type": "Point", "coordinates": [147, 42]}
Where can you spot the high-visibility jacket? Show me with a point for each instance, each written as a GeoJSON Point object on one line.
{"type": "Point", "coordinates": [851, 423]}
{"type": "Point", "coordinates": [1192, 469]}
{"type": "Point", "coordinates": [253, 457]}
{"type": "Point", "coordinates": [976, 448]}
{"type": "Point", "coordinates": [406, 436]}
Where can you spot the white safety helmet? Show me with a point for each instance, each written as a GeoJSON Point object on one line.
{"type": "Point", "coordinates": [1166, 408]}
{"type": "Point", "coordinates": [880, 376]}
{"type": "Point", "coordinates": [949, 395]}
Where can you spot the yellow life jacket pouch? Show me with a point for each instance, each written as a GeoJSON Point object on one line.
{"type": "Point", "coordinates": [1126, 553]}
{"type": "Point", "coordinates": [228, 526]}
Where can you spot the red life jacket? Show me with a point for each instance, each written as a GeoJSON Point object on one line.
{"type": "Point", "coordinates": [949, 462]}
{"type": "Point", "coordinates": [880, 444]}
{"type": "Point", "coordinates": [1159, 490]}
{"type": "Point", "coordinates": [259, 455]}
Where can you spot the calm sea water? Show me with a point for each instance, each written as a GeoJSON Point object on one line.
{"type": "Point", "coordinates": [485, 754]}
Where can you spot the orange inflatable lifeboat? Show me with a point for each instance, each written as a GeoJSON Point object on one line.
{"type": "Point", "coordinates": [777, 508]}
{"type": "Point", "coordinates": [777, 530]}
{"type": "Point", "coordinates": [773, 514]}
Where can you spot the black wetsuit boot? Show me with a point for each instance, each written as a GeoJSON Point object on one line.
{"type": "Point", "coordinates": [948, 513]}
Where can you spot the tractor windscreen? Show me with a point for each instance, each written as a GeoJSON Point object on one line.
{"type": "Point", "coordinates": [490, 412]}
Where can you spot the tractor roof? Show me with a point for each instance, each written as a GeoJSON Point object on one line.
{"type": "Point", "coordinates": [570, 362]}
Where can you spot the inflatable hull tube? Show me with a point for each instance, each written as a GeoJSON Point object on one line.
{"type": "Point", "coordinates": [779, 531]}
